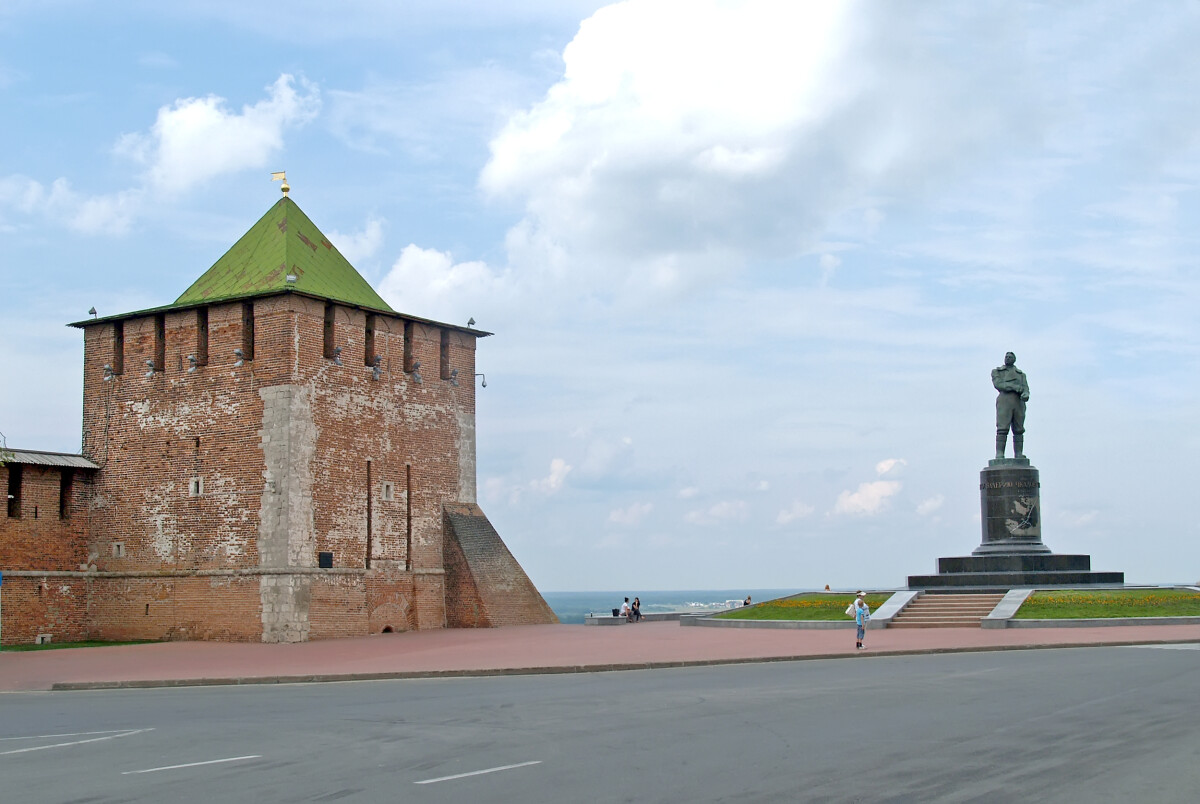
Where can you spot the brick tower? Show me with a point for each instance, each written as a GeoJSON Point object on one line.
{"type": "Point", "coordinates": [285, 457]}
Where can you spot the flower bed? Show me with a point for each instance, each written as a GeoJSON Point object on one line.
{"type": "Point", "coordinates": [1085, 604]}
{"type": "Point", "coordinates": [812, 606]}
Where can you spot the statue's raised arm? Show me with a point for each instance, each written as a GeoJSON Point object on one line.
{"type": "Point", "coordinates": [1010, 406]}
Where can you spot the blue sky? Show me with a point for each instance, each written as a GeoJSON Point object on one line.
{"type": "Point", "coordinates": [749, 264]}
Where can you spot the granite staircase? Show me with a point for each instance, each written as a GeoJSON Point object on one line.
{"type": "Point", "coordinates": [946, 611]}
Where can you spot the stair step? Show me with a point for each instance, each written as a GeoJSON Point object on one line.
{"type": "Point", "coordinates": [938, 620]}
{"type": "Point", "coordinates": [919, 602]}
{"type": "Point", "coordinates": [961, 615]}
{"type": "Point", "coordinates": [961, 607]}
{"type": "Point", "coordinates": [922, 602]}
{"type": "Point", "coordinates": [949, 608]}
{"type": "Point", "coordinates": [947, 611]}
{"type": "Point", "coordinates": [929, 601]}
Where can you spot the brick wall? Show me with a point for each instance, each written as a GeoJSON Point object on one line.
{"type": "Point", "coordinates": [339, 606]}
{"type": "Point", "coordinates": [389, 595]}
{"type": "Point", "coordinates": [221, 606]}
{"type": "Point", "coordinates": [39, 538]}
{"type": "Point", "coordinates": [46, 604]}
{"type": "Point", "coordinates": [153, 436]}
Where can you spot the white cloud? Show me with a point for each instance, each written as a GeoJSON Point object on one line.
{"type": "Point", "coordinates": [889, 466]}
{"type": "Point", "coordinates": [762, 485]}
{"type": "Point", "coordinates": [798, 510]}
{"type": "Point", "coordinates": [688, 492]}
{"type": "Point", "coordinates": [559, 469]}
{"type": "Point", "coordinates": [359, 245]}
{"type": "Point", "coordinates": [720, 512]}
{"type": "Point", "coordinates": [509, 491]}
{"type": "Point", "coordinates": [927, 507]}
{"type": "Point", "coordinates": [26, 196]}
{"type": "Point", "coordinates": [110, 214]}
{"type": "Point", "coordinates": [631, 515]}
{"type": "Point", "coordinates": [657, 167]}
{"type": "Point", "coordinates": [197, 139]}
{"type": "Point", "coordinates": [868, 500]}
{"type": "Point", "coordinates": [106, 214]}
{"type": "Point", "coordinates": [431, 284]}
{"type": "Point", "coordinates": [428, 121]}
{"type": "Point", "coordinates": [192, 141]}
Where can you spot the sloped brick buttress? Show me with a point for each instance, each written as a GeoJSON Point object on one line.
{"type": "Point", "coordinates": [485, 586]}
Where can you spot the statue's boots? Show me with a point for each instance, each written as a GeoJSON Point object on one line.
{"type": "Point", "coordinates": [1001, 443]}
{"type": "Point", "coordinates": [1019, 445]}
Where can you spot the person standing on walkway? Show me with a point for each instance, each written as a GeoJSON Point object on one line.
{"type": "Point", "coordinates": [862, 613]}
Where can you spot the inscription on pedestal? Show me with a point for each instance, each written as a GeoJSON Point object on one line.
{"type": "Point", "coordinates": [1011, 509]}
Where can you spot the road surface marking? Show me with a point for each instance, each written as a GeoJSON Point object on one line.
{"type": "Point", "coordinates": [479, 772]}
{"type": "Point", "coordinates": [69, 734]}
{"type": "Point", "coordinates": [193, 764]}
{"type": "Point", "coordinates": [110, 736]}
{"type": "Point", "coordinates": [1187, 646]}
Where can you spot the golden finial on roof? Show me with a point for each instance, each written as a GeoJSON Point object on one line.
{"type": "Point", "coordinates": [281, 175]}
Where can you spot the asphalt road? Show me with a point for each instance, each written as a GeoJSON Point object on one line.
{"type": "Point", "coordinates": [1094, 725]}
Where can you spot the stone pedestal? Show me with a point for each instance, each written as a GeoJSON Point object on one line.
{"type": "Point", "coordinates": [1010, 508]}
{"type": "Point", "coordinates": [1012, 553]}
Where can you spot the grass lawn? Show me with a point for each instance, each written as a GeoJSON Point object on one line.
{"type": "Point", "coordinates": [814, 606]}
{"type": "Point", "coordinates": [1083, 604]}
{"type": "Point", "coordinates": [59, 645]}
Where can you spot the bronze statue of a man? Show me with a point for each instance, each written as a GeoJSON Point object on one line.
{"type": "Point", "coordinates": [1010, 406]}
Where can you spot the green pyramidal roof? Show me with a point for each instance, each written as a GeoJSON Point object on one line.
{"type": "Point", "coordinates": [284, 242]}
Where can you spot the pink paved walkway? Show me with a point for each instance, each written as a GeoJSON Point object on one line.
{"type": "Point", "coordinates": [535, 648]}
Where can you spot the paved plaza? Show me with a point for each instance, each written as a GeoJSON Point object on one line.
{"type": "Point", "coordinates": [517, 650]}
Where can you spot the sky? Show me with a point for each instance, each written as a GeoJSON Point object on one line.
{"type": "Point", "coordinates": [748, 264]}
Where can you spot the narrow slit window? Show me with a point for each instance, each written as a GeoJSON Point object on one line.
{"type": "Point", "coordinates": [196, 487]}
{"type": "Point", "coordinates": [118, 356]}
{"type": "Point", "coordinates": [14, 490]}
{"type": "Point", "coordinates": [444, 355]}
{"type": "Point", "coordinates": [202, 336]}
{"type": "Point", "coordinates": [247, 330]}
{"type": "Point", "coordinates": [66, 489]}
{"type": "Point", "coordinates": [160, 342]}
{"type": "Point", "coordinates": [408, 346]}
{"type": "Point", "coordinates": [329, 335]}
{"type": "Point", "coordinates": [369, 342]}
{"type": "Point", "coordinates": [389, 492]}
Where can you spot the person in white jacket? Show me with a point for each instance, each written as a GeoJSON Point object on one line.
{"type": "Point", "coordinates": [862, 613]}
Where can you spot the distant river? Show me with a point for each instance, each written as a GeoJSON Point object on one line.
{"type": "Point", "coordinates": [572, 607]}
